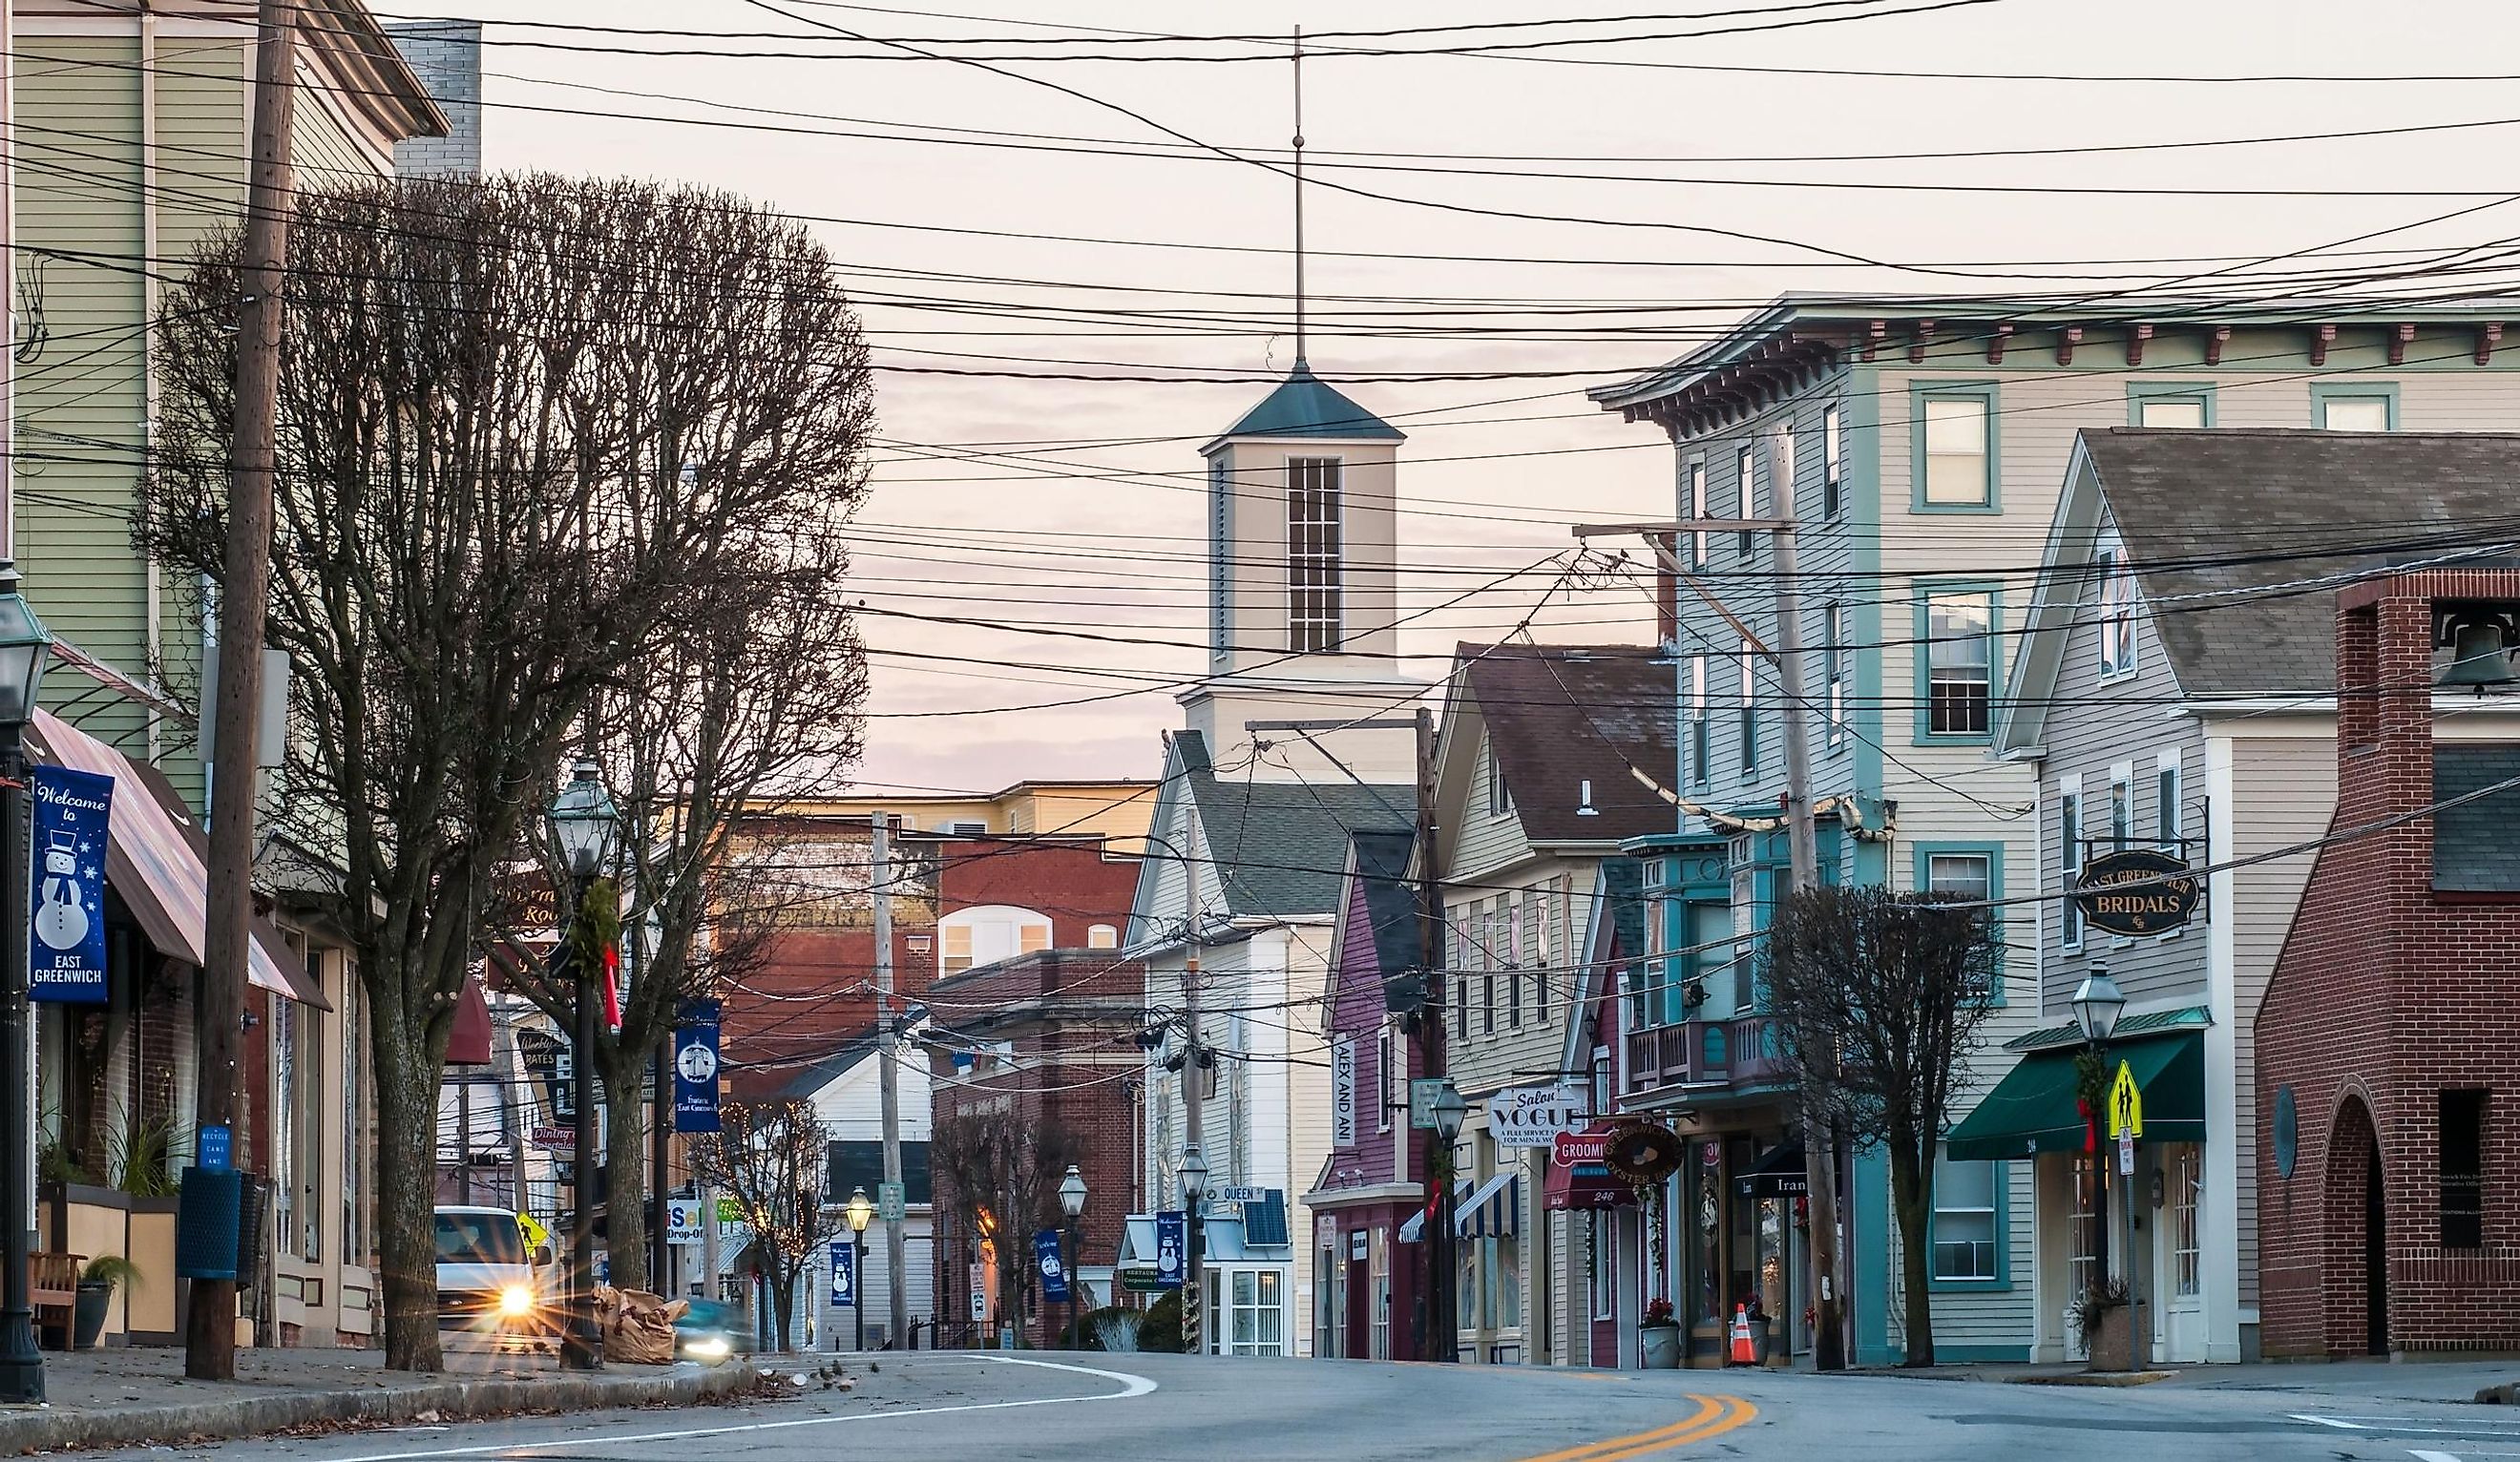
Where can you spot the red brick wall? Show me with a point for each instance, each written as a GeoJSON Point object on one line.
{"type": "Point", "coordinates": [1069, 1017]}
{"type": "Point", "coordinates": [2386, 995]}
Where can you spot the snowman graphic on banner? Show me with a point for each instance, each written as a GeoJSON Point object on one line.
{"type": "Point", "coordinates": [71, 822]}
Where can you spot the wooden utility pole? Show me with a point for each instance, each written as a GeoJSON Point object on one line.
{"type": "Point", "coordinates": [888, 1075]}
{"type": "Point", "coordinates": [244, 589]}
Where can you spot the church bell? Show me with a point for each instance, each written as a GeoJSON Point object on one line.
{"type": "Point", "coordinates": [2480, 658]}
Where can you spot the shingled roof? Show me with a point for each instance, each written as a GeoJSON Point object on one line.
{"type": "Point", "coordinates": [2241, 539]}
{"type": "Point", "coordinates": [1279, 847]}
{"type": "Point", "coordinates": [1560, 715]}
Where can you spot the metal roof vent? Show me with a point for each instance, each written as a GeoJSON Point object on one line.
{"type": "Point", "coordinates": [1585, 797]}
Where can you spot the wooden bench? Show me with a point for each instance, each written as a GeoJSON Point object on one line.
{"type": "Point", "coordinates": [52, 1281]}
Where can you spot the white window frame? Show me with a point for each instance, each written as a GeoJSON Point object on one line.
{"type": "Point", "coordinates": [1833, 463]}
{"type": "Point", "coordinates": [1699, 743]}
{"type": "Point", "coordinates": [1982, 408]}
{"type": "Point", "coordinates": [2069, 859]}
{"type": "Point", "coordinates": [1386, 1094]}
{"type": "Point", "coordinates": [2116, 609]}
{"type": "Point", "coordinates": [2186, 1182]}
{"type": "Point", "coordinates": [1939, 674]}
{"type": "Point", "coordinates": [1101, 936]}
{"type": "Point", "coordinates": [1749, 719]}
{"type": "Point", "coordinates": [1746, 468]}
{"type": "Point", "coordinates": [1316, 554]}
{"type": "Point", "coordinates": [1500, 796]}
{"type": "Point", "coordinates": [1698, 509]}
{"type": "Point", "coordinates": [1991, 1212]}
{"type": "Point", "coordinates": [1833, 625]}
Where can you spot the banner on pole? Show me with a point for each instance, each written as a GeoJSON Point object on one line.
{"type": "Point", "coordinates": [1172, 1248]}
{"type": "Point", "coordinates": [696, 1032]}
{"type": "Point", "coordinates": [1054, 1268]}
{"type": "Point", "coordinates": [72, 811]}
{"type": "Point", "coordinates": [844, 1274]}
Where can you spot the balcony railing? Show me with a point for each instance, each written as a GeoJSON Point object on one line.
{"type": "Point", "coordinates": [1743, 1052]}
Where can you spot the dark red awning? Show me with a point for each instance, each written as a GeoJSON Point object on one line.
{"type": "Point", "coordinates": [1578, 1176]}
{"type": "Point", "coordinates": [469, 1045]}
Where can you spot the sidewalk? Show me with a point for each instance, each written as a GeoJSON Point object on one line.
{"type": "Point", "coordinates": [120, 1397]}
{"type": "Point", "coordinates": [2369, 1380]}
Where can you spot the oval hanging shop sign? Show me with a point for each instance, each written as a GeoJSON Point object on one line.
{"type": "Point", "coordinates": [2136, 891]}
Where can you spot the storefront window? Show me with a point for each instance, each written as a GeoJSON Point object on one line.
{"type": "Point", "coordinates": [1330, 1300]}
{"type": "Point", "coordinates": [1742, 1287]}
{"type": "Point", "coordinates": [2083, 1267]}
{"type": "Point", "coordinates": [1255, 1326]}
{"type": "Point", "coordinates": [1471, 1284]}
{"type": "Point", "coordinates": [1508, 1286]}
{"type": "Point", "coordinates": [1706, 1241]}
{"type": "Point", "coordinates": [1601, 1263]}
{"type": "Point", "coordinates": [1381, 1294]}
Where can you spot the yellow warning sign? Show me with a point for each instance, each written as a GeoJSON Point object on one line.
{"type": "Point", "coordinates": [2126, 1105]}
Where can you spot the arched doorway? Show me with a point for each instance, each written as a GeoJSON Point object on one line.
{"type": "Point", "coordinates": [2357, 1268]}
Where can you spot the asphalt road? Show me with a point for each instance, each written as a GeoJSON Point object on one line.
{"type": "Point", "coordinates": [1123, 1409]}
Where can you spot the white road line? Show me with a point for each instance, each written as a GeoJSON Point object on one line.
{"type": "Point", "coordinates": [1130, 1387]}
{"type": "Point", "coordinates": [2434, 1457]}
{"type": "Point", "coordinates": [2337, 1422]}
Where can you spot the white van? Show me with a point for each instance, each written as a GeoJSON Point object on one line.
{"type": "Point", "coordinates": [491, 1276]}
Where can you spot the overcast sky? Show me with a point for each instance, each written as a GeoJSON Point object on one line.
{"type": "Point", "coordinates": [1098, 526]}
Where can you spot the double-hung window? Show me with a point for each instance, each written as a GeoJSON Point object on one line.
{"type": "Point", "coordinates": [2121, 807]}
{"type": "Point", "coordinates": [1745, 469]}
{"type": "Point", "coordinates": [1500, 796]}
{"type": "Point", "coordinates": [2117, 610]}
{"type": "Point", "coordinates": [1957, 462]}
{"type": "Point", "coordinates": [1699, 767]}
{"type": "Point", "coordinates": [1965, 1220]}
{"type": "Point", "coordinates": [1832, 491]}
{"type": "Point", "coordinates": [1312, 555]}
{"type": "Point", "coordinates": [1698, 509]}
{"type": "Point", "coordinates": [1833, 655]}
{"type": "Point", "coordinates": [2069, 858]}
{"type": "Point", "coordinates": [1749, 711]}
{"type": "Point", "coordinates": [2168, 826]}
{"type": "Point", "coordinates": [1960, 638]}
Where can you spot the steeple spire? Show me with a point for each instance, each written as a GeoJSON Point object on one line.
{"type": "Point", "coordinates": [1299, 198]}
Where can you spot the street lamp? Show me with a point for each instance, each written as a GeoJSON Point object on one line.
{"type": "Point", "coordinates": [587, 830]}
{"type": "Point", "coordinates": [2098, 1005]}
{"type": "Point", "coordinates": [1448, 1111]}
{"type": "Point", "coordinates": [1194, 1182]}
{"type": "Point", "coordinates": [25, 646]}
{"type": "Point", "coordinates": [1071, 1199]}
{"type": "Point", "coordinates": [861, 1213]}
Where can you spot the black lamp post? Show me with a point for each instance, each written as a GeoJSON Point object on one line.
{"type": "Point", "coordinates": [1071, 1199]}
{"type": "Point", "coordinates": [1194, 1182]}
{"type": "Point", "coordinates": [2098, 1005]}
{"type": "Point", "coordinates": [1448, 1111]}
{"type": "Point", "coordinates": [25, 646]}
{"type": "Point", "coordinates": [861, 1213]}
{"type": "Point", "coordinates": [587, 830]}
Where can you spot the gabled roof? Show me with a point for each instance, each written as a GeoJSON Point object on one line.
{"type": "Point", "coordinates": [1558, 716]}
{"type": "Point", "coordinates": [1378, 863]}
{"type": "Point", "coordinates": [2239, 540]}
{"type": "Point", "coordinates": [1277, 850]}
{"type": "Point", "coordinates": [1305, 404]}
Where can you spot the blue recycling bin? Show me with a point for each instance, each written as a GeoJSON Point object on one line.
{"type": "Point", "coordinates": [209, 1220]}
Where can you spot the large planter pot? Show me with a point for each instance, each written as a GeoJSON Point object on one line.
{"type": "Point", "coordinates": [88, 1314]}
{"type": "Point", "coordinates": [2111, 1342]}
{"type": "Point", "coordinates": [1659, 1347]}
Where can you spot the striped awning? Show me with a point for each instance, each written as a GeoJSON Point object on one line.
{"type": "Point", "coordinates": [1494, 1208]}
{"type": "Point", "coordinates": [1416, 1227]}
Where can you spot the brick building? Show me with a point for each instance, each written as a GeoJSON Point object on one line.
{"type": "Point", "coordinates": [2391, 1029]}
{"type": "Point", "coordinates": [1033, 1065]}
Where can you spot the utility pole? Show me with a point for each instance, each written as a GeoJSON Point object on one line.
{"type": "Point", "coordinates": [245, 587]}
{"type": "Point", "coordinates": [1194, 1109]}
{"type": "Point", "coordinates": [1801, 838]}
{"type": "Point", "coordinates": [887, 1075]}
{"type": "Point", "coordinates": [1443, 1326]}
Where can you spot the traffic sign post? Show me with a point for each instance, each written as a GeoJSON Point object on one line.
{"type": "Point", "coordinates": [2126, 1104]}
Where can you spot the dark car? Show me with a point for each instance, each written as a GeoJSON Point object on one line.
{"type": "Point", "coordinates": [712, 1330]}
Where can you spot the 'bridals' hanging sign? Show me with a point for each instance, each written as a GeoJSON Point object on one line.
{"type": "Point", "coordinates": [66, 954]}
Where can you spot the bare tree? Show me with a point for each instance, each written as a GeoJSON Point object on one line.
{"type": "Point", "coordinates": [996, 1167]}
{"type": "Point", "coordinates": [530, 430]}
{"type": "Point", "coordinates": [1879, 998]}
{"type": "Point", "coordinates": [770, 1157]}
{"type": "Point", "coordinates": [756, 699]}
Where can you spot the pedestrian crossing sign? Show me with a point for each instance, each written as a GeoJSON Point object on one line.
{"type": "Point", "coordinates": [2126, 1105]}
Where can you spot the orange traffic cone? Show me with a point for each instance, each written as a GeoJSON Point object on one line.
{"type": "Point", "coordinates": [1742, 1352]}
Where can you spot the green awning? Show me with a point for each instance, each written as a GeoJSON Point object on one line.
{"type": "Point", "coordinates": [2032, 1110]}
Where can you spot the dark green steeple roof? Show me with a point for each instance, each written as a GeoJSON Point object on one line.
{"type": "Point", "coordinates": [1305, 404]}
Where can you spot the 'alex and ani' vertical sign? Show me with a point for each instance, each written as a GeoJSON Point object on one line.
{"type": "Point", "coordinates": [66, 956]}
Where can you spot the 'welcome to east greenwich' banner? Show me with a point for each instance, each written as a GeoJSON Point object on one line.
{"type": "Point", "coordinates": [66, 956]}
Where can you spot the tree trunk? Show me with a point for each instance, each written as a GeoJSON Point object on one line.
{"type": "Point", "coordinates": [1911, 1193]}
{"type": "Point", "coordinates": [783, 1301]}
{"type": "Point", "coordinates": [625, 1201]}
{"type": "Point", "coordinates": [406, 1192]}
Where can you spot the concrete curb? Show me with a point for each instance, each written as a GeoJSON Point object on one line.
{"type": "Point", "coordinates": [262, 1414]}
{"type": "Point", "coordinates": [2108, 1379]}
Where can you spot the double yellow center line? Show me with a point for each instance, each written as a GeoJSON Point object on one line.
{"type": "Point", "coordinates": [1714, 1416]}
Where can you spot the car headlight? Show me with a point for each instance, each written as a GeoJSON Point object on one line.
{"type": "Point", "coordinates": [708, 1348]}
{"type": "Point", "coordinates": [517, 1300]}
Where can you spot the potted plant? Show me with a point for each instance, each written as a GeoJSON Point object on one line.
{"type": "Point", "coordinates": [96, 1282]}
{"type": "Point", "coordinates": [1658, 1336]}
{"type": "Point", "coordinates": [2103, 1315]}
